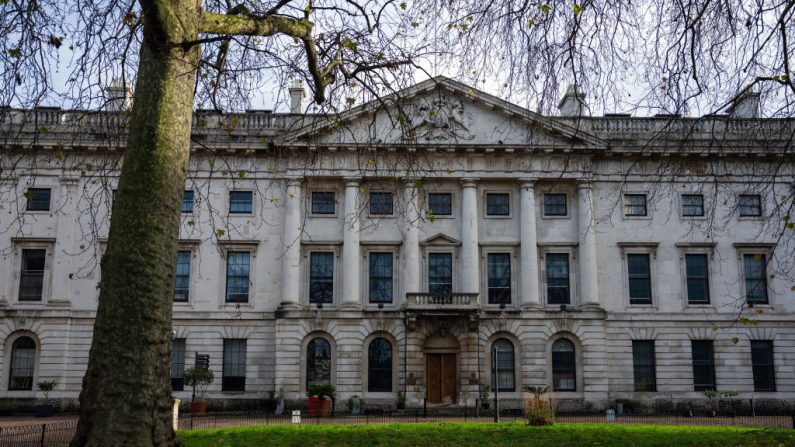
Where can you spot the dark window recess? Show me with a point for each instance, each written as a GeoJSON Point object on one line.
{"type": "Point", "coordinates": [497, 204]}
{"type": "Point", "coordinates": [321, 277]}
{"type": "Point", "coordinates": [639, 269]}
{"type": "Point", "coordinates": [38, 199]}
{"type": "Point", "coordinates": [318, 363]}
{"type": "Point", "coordinates": [555, 205]}
{"type": "Point", "coordinates": [177, 364]}
{"type": "Point", "coordinates": [763, 366]}
{"type": "Point", "coordinates": [440, 204]}
{"type": "Point", "coordinates": [31, 278]}
{"type": "Point", "coordinates": [692, 205]}
{"type": "Point", "coordinates": [440, 273]}
{"type": "Point", "coordinates": [635, 205]}
{"type": "Point", "coordinates": [323, 202]}
{"type": "Point", "coordinates": [558, 278]}
{"type": "Point", "coordinates": [697, 273]}
{"type": "Point", "coordinates": [23, 363]}
{"type": "Point", "coordinates": [755, 269]}
{"type": "Point", "coordinates": [750, 205]}
{"type": "Point", "coordinates": [380, 277]}
{"type": "Point", "coordinates": [237, 276]}
{"type": "Point", "coordinates": [564, 366]}
{"type": "Point", "coordinates": [187, 201]}
{"type": "Point", "coordinates": [234, 373]}
{"type": "Point", "coordinates": [379, 366]}
{"type": "Point", "coordinates": [703, 365]}
{"type": "Point", "coordinates": [499, 278]}
{"type": "Point", "coordinates": [643, 364]}
{"type": "Point", "coordinates": [505, 374]}
{"type": "Point", "coordinates": [241, 202]}
{"type": "Point", "coordinates": [182, 277]}
{"type": "Point", "coordinates": [381, 203]}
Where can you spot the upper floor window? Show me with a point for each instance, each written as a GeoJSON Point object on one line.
{"type": "Point", "coordinates": [503, 374]}
{"type": "Point", "coordinates": [555, 205]}
{"type": "Point", "coordinates": [241, 202]}
{"type": "Point", "coordinates": [321, 277]}
{"type": "Point", "coordinates": [440, 273]}
{"type": "Point", "coordinates": [187, 202]}
{"type": "Point", "coordinates": [31, 278]}
{"type": "Point", "coordinates": [380, 289]}
{"type": "Point", "coordinates": [750, 205]}
{"type": "Point", "coordinates": [381, 203]}
{"type": "Point", "coordinates": [318, 362]}
{"type": "Point", "coordinates": [38, 199]}
{"type": "Point", "coordinates": [323, 202]}
{"type": "Point", "coordinates": [639, 269]}
{"type": "Point", "coordinates": [564, 366]}
{"type": "Point", "coordinates": [23, 364]}
{"type": "Point", "coordinates": [635, 205]}
{"type": "Point", "coordinates": [755, 271]}
{"type": "Point", "coordinates": [762, 365]}
{"type": "Point", "coordinates": [558, 278]}
{"type": "Point", "coordinates": [692, 205]}
{"type": "Point", "coordinates": [499, 277]}
{"type": "Point", "coordinates": [703, 365]}
{"type": "Point", "coordinates": [234, 372]}
{"type": "Point", "coordinates": [643, 365]}
{"type": "Point", "coordinates": [697, 273]}
{"type": "Point", "coordinates": [237, 276]}
{"type": "Point", "coordinates": [177, 364]}
{"type": "Point", "coordinates": [182, 277]}
{"type": "Point", "coordinates": [379, 366]}
{"type": "Point", "coordinates": [440, 203]}
{"type": "Point", "coordinates": [498, 204]}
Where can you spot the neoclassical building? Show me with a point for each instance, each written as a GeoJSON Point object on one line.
{"type": "Point", "coordinates": [435, 243]}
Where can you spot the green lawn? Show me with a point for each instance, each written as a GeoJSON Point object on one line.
{"type": "Point", "coordinates": [485, 434]}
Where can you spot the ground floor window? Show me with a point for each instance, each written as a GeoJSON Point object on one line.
{"type": "Point", "coordinates": [503, 371]}
{"type": "Point", "coordinates": [564, 366]}
{"type": "Point", "coordinates": [318, 363]}
{"type": "Point", "coordinates": [23, 363]}
{"type": "Point", "coordinates": [379, 366]}
{"type": "Point", "coordinates": [234, 373]}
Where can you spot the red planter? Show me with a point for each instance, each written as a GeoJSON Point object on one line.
{"type": "Point", "coordinates": [319, 407]}
{"type": "Point", "coordinates": [199, 407]}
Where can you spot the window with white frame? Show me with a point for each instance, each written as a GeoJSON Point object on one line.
{"type": "Point", "coordinates": [750, 205]}
{"type": "Point", "coordinates": [234, 371]}
{"type": "Point", "coordinates": [177, 364]}
{"type": "Point", "coordinates": [238, 269]}
{"type": "Point", "coordinates": [639, 274]}
{"type": "Point", "coordinates": [555, 205]}
{"type": "Point", "coordinates": [498, 281]}
{"type": "Point", "coordinates": [692, 205]}
{"type": "Point", "coordinates": [188, 199]}
{"type": "Point", "coordinates": [763, 367]}
{"type": "Point", "coordinates": [440, 273]}
{"type": "Point", "coordinates": [564, 365]}
{"type": "Point", "coordinates": [381, 281]}
{"type": "Point", "coordinates": [755, 277]}
{"type": "Point", "coordinates": [182, 277]}
{"type": "Point", "coordinates": [31, 275]}
{"type": "Point", "coordinates": [558, 280]}
{"type": "Point", "coordinates": [23, 364]}
{"type": "Point", "coordinates": [381, 204]}
{"type": "Point", "coordinates": [323, 202]}
{"type": "Point", "coordinates": [697, 278]}
{"type": "Point", "coordinates": [321, 277]}
{"type": "Point", "coordinates": [498, 204]}
{"type": "Point", "coordinates": [241, 202]}
{"type": "Point", "coordinates": [38, 199]}
{"type": "Point", "coordinates": [440, 203]}
{"type": "Point", "coordinates": [635, 205]}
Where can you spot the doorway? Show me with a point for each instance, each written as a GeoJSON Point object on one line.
{"type": "Point", "coordinates": [441, 378]}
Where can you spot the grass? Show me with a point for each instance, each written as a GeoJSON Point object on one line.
{"type": "Point", "coordinates": [486, 434]}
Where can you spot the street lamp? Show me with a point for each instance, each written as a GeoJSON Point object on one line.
{"type": "Point", "coordinates": [496, 363]}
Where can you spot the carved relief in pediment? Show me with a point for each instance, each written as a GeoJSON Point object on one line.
{"type": "Point", "coordinates": [441, 118]}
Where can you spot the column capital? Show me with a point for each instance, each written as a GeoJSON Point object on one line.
{"type": "Point", "coordinates": [294, 180]}
{"type": "Point", "coordinates": [528, 182]}
{"type": "Point", "coordinates": [469, 182]}
{"type": "Point", "coordinates": [584, 183]}
{"type": "Point", "coordinates": [352, 181]}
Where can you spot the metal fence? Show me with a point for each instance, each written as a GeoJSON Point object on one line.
{"type": "Point", "coordinates": [58, 434]}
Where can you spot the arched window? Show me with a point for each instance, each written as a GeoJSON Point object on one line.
{"type": "Point", "coordinates": [318, 363]}
{"type": "Point", "coordinates": [564, 366]}
{"type": "Point", "coordinates": [379, 366]}
{"type": "Point", "coordinates": [23, 362]}
{"type": "Point", "coordinates": [505, 365]}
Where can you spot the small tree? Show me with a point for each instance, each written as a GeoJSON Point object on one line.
{"type": "Point", "coordinates": [322, 391]}
{"type": "Point", "coordinates": [198, 379]}
{"type": "Point", "coordinates": [539, 410]}
{"type": "Point", "coordinates": [45, 387]}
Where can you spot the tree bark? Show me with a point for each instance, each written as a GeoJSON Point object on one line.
{"type": "Point", "coordinates": [126, 397]}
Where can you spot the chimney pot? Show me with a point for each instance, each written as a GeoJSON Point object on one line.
{"type": "Point", "coordinates": [573, 102]}
{"type": "Point", "coordinates": [745, 106]}
{"type": "Point", "coordinates": [296, 97]}
{"type": "Point", "coordinates": [118, 96]}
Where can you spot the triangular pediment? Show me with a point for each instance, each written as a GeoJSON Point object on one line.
{"type": "Point", "coordinates": [441, 239]}
{"type": "Point", "coordinates": [442, 112]}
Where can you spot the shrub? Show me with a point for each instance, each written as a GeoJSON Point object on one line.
{"type": "Point", "coordinates": [539, 407]}
{"type": "Point", "coordinates": [199, 379]}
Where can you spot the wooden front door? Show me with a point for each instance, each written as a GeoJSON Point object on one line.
{"type": "Point", "coordinates": [441, 377]}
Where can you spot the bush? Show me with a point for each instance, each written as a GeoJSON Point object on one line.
{"type": "Point", "coordinates": [198, 379]}
{"type": "Point", "coordinates": [539, 407]}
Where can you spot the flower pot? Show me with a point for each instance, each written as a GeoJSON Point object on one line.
{"type": "Point", "coordinates": [198, 407]}
{"type": "Point", "coordinates": [324, 407]}
{"type": "Point", "coordinates": [43, 411]}
{"type": "Point", "coordinates": [313, 403]}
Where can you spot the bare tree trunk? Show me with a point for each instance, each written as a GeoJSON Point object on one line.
{"type": "Point", "coordinates": [126, 396]}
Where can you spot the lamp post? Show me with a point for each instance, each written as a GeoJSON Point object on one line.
{"type": "Point", "coordinates": [496, 362]}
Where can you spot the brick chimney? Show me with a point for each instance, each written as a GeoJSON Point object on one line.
{"type": "Point", "coordinates": [573, 102]}
{"type": "Point", "coordinates": [297, 97]}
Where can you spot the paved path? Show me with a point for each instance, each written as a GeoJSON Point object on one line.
{"type": "Point", "coordinates": [16, 421]}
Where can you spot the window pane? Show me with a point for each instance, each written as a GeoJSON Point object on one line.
{"type": "Point", "coordinates": [440, 273]}
{"type": "Point", "coordinates": [703, 365]}
{"type": "Point", "coordinates": [23, 363]}
{"type": "Point", "coordinates": [379, 366]}
{"type": "Point", "coordinates": [381, 203]}
{"type": "Point", "coordinates": [643, 365]}
{"type": "Point", "coordinates": [634, 204]}
{"type": "Point", "coordinates": [555, 204]}
{"type": "Point", "coordinates": [187, 202]}
{"type": "Point", "coordinates": [237, 279]}
{"type": "Point", "coordinates": [234, 373]}
{"type": "Point", "coordinates": [240, 202]}
{"type": "Point", "coordinates": [754, 266]}
{"type": "Point", "coordinates": [697, 271]}
{"type": "Point", "coordinates": [31, 278]}
{"type": "Point", "coordinates": [763, 367]}
{"type": "Point", "coordinates": [38, 199]}
{"type": "Point", "coordinates": [380, 277]}
{"type": "Point", "coordinates": [323, 202]}
{"type": "Point", "coordinates": [750, 205]}
{"type": "Point", "coordinates": [499, 278]}
{"type": "Point", "coordinates": [639, 278]}
{"type": "Point", "coordinates": [564, 366]}
{"type": "Point", "coordinates": [692, 205]}
{"type": "Point", "coordinates": [497, 204]}
{"type": "Point", "coordinates": [318, 363]}
{"type": "Point", "coordinates": [177, 364]}
{"type": "Point", "coordinates": [440, 204]}
{"type": "Point", "coordinates": [505, 366]}
{"type": "Point", "coordinates": [321, 277]}
{"type": "Point", "coordinates": [182, 277]}
{"type": "Point", "coordinates": [558, 278]}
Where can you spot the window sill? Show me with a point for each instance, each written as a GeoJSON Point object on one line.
{"type": "Point", "coordinates": [637, 217]}
{"type": "Point", "coordinates": [488, 216]}
{"type": "Point", "coordinates": [323, 216]}
{"type": "Point", "coordinates": [554, 217]}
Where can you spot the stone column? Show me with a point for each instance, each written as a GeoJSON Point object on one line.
{"type": "Point", "coordinates": [589, 285]}
{"type": "Point", "coordinates": [411, 241]}
{"type": "Point", "coordinates": [65, 208]}
{"type": "Point", "coordinates": [470, 267]}
{"type": "Point", "coordinates": [528, 255]}
{"type": "Point", "coordinates": [351, 253]}
{"type": "Point", "coordinates": [291, 271]}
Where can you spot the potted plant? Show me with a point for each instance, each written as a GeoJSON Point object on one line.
{"type": "Point", "coordinates": [539, 408]}
{"type": "Point", "coordinates": [198, 379]}
{"type": "Point", "coordinates": [317, 399]}
{"type": "Point", "coordinates": [484, 396]}
{"type": "Point", "coordinates": [44, 409]}
{"type": "Point", "coordinates": [401, 400]}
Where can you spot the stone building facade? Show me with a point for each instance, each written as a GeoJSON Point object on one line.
{"type": "Point", "coordinates": [395, 247]}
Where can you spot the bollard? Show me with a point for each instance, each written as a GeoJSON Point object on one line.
{"type": "Point", "coordinates": [175, 415]}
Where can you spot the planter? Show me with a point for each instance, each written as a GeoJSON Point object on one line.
{"type": "Point", "coordinates": [43, 411]}
{"type": "Point", "coordinates": [198, 407]}
{"type": "Point", "coordinates": [324, 407]}
{"type": "Point", "coordinates": [313, 401]}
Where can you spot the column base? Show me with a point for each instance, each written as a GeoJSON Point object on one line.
{"type": "Point", "coordinates": [350, 305]}
{"type": "Point", "coordinates": [290, 305]}
{"type": "Point", "coordinates": [532, 306]}
{"type": "Point", "coordinates": [591, 306]}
